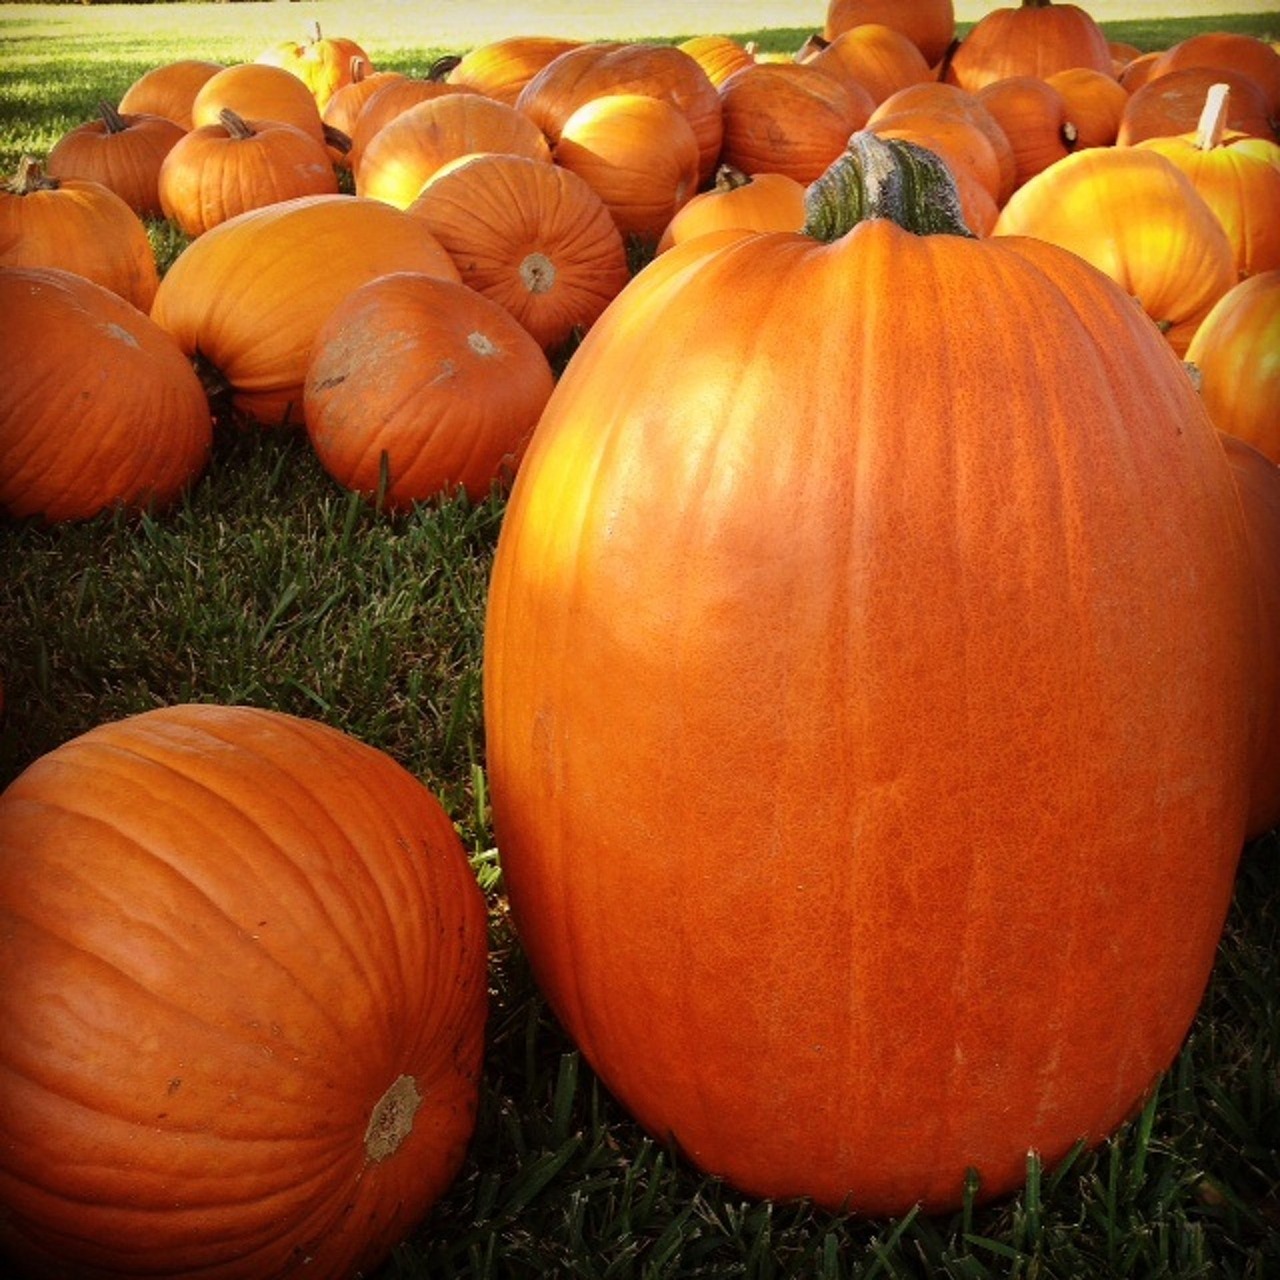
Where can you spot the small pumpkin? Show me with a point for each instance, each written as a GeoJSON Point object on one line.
{"type": "Point", "coordinates": [1036, 120]}
{"type": "Point", "coordinates": [77, 225]}
{"type": "Point", "coordinates": [399, 159]}
{"type": "Point", "coordinates": [386, 102]}
{"type": "Point", "coordinates": [1095, 104]}
{"type": "Point", "coordinates": [1135, 216]}
{"type": "Point", "coordinates": [1236, 353]}
{"type": "Point", "coordinates": [244, 1000]}
{"type": "Point", "coordinates": [122, 152]}
{"type": "Point", "coordinates": [219, 170]}
{"type": "Point", "coordinates": [323, 63]}
{"type": "Point", "coordinates": [258, 91]}
{"type": "Point", "coordinates": [343, 109]}
{"type": "Point", "coordinates": [1035, 38]}
{"type": "Point", "coordinates": [756, 202]}
{"type": "Point", "coordinates": [879, 58]}
{"type": "Point", "coordinates": [168, 90]}
{"type": "Point", "coordinates": [718, 56]}
{"type": "Point", "coordinates": [638, 154]}
{"type": "Point", "coordinates": [929, 24]}
{"type": "Point", "coordinates": [533, 237]}
{"type": "Point", "coordinates": [98, 406]}
{"type": "Point", "coordinates": [418, 386]}
{"type": "Point", "coordinates": [247, 297]}
{"type": "Point", "coordinates": [501, 68]}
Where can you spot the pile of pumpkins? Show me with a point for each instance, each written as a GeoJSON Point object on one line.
{"type": "Point", "coordinates": [882, 657]}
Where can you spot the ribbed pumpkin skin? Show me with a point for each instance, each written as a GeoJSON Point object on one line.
{"type": "Point", "coordinates": [533, 237]}
{"type": "Point", "coordinates": [1134, 215]}
{"type": "Point", "coordinates": [501, 68]}
{"type": "Point", "coordinates": [98, 406]}
{"type": "Point", "coordinates": [226, 933]}
{"type": "Point", "coordinates": [250, 294]}
{"type": "Point", "coordinates": [444, 382]}
{"type": "Point", "coordinates": [851, 823]}
{"type": "Point", "coordinates": [930, 24]}
{"type": "Point", "coordinates": [169, 89]}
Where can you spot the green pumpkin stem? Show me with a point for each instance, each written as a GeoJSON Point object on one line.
{"type": "Point", "coordinates": [884, 178]}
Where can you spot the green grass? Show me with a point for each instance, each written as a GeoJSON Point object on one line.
{"type": "Point", "coordinates": [269, 585]}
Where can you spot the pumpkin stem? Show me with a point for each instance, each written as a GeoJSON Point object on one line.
{"type": "Point", "coordinates": [813, 44]}
{"type": "Point", "coordinates": [316, 37]}
{"type": "Point", "coordinates": [112, 120]}
{"type": "Point", "coordinates": [235, 125]}
{"type": "Point", "coordinates": [884, 178]}
{"type": "Point", "coordinates": [729, 178]}
{"type": "Point", "coordinates": [1213, 119]}
{"type": "Point", "coordinates": [391, 1120]}
{"type": "Point", "coordinates": [30, 177]}
{"type": "Point", "coordinates": [335, 138]}
{"type": "Point", "coordinates": [359, 68]}
{"type": "Point", "coordinates": [441, 67]}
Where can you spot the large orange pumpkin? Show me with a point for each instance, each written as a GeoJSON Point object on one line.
{"type": "Point", "coordinates": [244, 997]}
{"type": "Point", "coordinates": [98, 406]}
{"type": "Point", "coordinates": [930, 24]}
{"type": "Point", "coordinates": [867, 710]}
{"type": "Point", "coordinates": [1134, 215]}
{"type": "Point", "coordinates": [246, 299]}
{"type": "Point", "coordinates": [501, 68]}
{"type": "Point", "coordinates": [168, 90]}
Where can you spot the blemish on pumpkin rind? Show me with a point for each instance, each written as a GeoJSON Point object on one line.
{"type": "Point", "coordinates": [391, 1121]}
{"type": "Point", "coordinates": [120, 334]}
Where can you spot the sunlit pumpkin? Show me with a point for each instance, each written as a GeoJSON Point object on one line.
{"type": "Point", "coordinates": [756, 202]}
{"type": "Point", "coordinates": [869, 760]}
{"type": "Point", "coordinates": [879, 58]}
{"type": "Point", "coordinates": [244, 999]}
{"type": "Point", "coordinates": [168, 90]}
{"type": "Point", "coordinates": [929, 24]}
{"type": "Point", "coordinates": [501, 68]}
{"type": "Point", "coordinates": [323, 63]}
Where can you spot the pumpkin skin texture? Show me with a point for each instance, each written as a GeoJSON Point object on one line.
{"type": "Point", "coordinates": [763, 202]}
{"type": "Point", "coordinates": [1257, 480]}
{"type": "Point", "coordinates": [258, 91]}
{"type": "Point", "coordinates": [1171, 104]}
{"type": "Point", "coordinates": [1134, 215]}
{"type": "Point", "coordinates": [323, 63]}
{"type": "Point", "coordinates": [930, 24]}
{"type": "Point", "coordinates": [98, 406]}
{"type": "Point", "coordinates": [248, 296]}
{"type": "Point", "coordinates": [533, 237]}
{"type": "Point", "coordinates": [501, 68]}
{"type": "Point", "coordinates": [76, 225]}
{"type": "Point", "coordinates": [168, 90]}
{"type": "Point", "coordinates": [443, 382]}
{"type": "Point", "coordinates": [1236, 351]}
{"type": "Point", "coordinates": [254, 947]}
{"type": "Point", "coordinates": [830, 897]}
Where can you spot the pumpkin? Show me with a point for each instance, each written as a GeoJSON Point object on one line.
{"type": "Point", "coordinates": [1136, 217]}
{"type": "Point", "coordinates": [789, 118]}
{"type": "Point", "coordinates": [246, 298]}
{"type": "Point", "coordinates": [388, 101]}
{"type": "Point", "coordinates": [1232, 51]}
{"type": "Point", "coordinates": [1034, 117]}
{"type": "Point", "coordinates": [936, 95]}
{"type": "Point", "coordinates": [638, 154]}
{"type": "Point", "coordinates": [418, 386]}
{"type": "Point", "coordinates": [77, 225]}
{"type": "Point", "coordinates": [1258, 483]}
{"type": "Point", "coordinates": [1171, 104]}
{"type": "Point", "coordinates": [122, 152]}
{"type": "Point", "coordinates": [592, 70]}
{"type": "Point", "coordinates": [853, 849]}
{"type": "Point", "coordinates": [1236, 352]}
{"type": "Point", "coordinates": [98, 406]}
{"type": "Point", "coordinates": [877, 57]}
{"type": "Point", "coordinates": [399, 159]}
{"type": "Point", "coordinates": [962, 144]}
{"type": "Point", "coordinates": [929, 24]}
{"type": "Point", "coordinates": [244, 1000]}
{"type": "Point", "coordinates": [1242, 188]}
{"type": "Point", "coordinates": [219, 170]}
{"type": "Point", "coordinates": [345, 105]}
{"type": "Point", "coordinates": [168, 90]}
{"type": "Point", "coordinates": [759, 202]}
{"type": "Point", "coordinates": [1137, 72]}
{"type": "Point", "coordinates": [258, 91]}
{"type": "Point", "coordinates": [1035, 38]}
{"type": "Point", "coordinates": [718, 56]}
{"type": "Point", "coordinates": [1095, 104]}
{"type": "Point", "coordinates": [501, 68]}
{"type": "Point", "coordinates": [323, 63]}
{"type": "Point", "coordinates": [533, 237]}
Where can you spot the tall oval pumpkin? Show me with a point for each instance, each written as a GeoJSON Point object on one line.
{"type": "Point", "coordinates": [868, 758]}
{"type": "Point", "coordinates": [244, 995]}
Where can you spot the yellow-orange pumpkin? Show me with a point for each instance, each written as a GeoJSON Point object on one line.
{"type": "Point", "coordinates": [244, 998]}
{"type": "Point", "coordinates": [869, 767]}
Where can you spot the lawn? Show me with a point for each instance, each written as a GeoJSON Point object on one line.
{"type": "Point", "coordinates": [268, 585]}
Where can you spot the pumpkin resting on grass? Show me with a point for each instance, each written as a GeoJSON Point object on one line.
{"type": "Point", "coordinates": [244, 997]}
{"type": "Point", "coordinates": [867, 703]}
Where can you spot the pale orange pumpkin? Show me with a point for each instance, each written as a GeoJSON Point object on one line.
{"type": "Point", "coordinates": [244, 997]}
{"type": "Point", "coordinates": [1136, 217]}
{"type": "Point", "coordinates": [501, 68]}
{"type": "Point", "coordinates": [533, 237]}
{"type": "Point", "coordinates": [258, 91]}
{"type": "Point", "coordinates": [718, 56]}
{"type": "Point", "coordinates": [98, 406]}
{"type": "Point", "coordinates": [323, 63]}
{"type": "Point", "coordinates": [418, 386]}
{"type": "Point", "coordinates": [638, 154]}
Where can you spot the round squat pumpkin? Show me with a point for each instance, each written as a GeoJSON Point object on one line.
{"type": "Point", "coordinates": [98, 406]}
{"type": "Point", "coordinates": [867, 704]}
{"type": "Point", "coordinates": [418, 386]}
{"type": "Point", "coordinates": [244, 996]}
